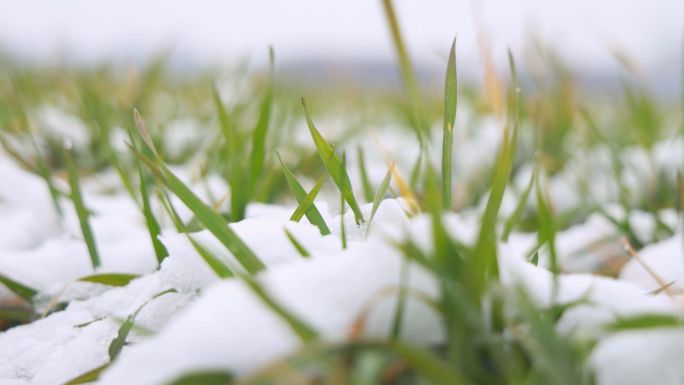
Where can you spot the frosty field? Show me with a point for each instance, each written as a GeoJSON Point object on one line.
{"type": "Point", "coordinates": [236, 226]}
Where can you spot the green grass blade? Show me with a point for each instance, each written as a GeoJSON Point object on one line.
{"type": "Point", "coordinates": [334, 165]}
{"type": "Point", "coordinates": [259, 137]}
{"type": "Point", "coordinates": [645, 321]}
{"type": "Point", "coordinates": [44, 171]}
{"type": "Point", "coordinates": [111, 279]}
{"type": "Point", "coordinates": [450, 103]}
{"type": "Point", "coordinates": [23, 291]}
{"type": "Point", "coordinates": [428, 365]}
{"type": "Point", "coordinates": [312, 213]}
{"type": "Point", "coordinates": [120, 340]}
{"type": "Point", "coordinates": [152, 224]}
{"type": "Point", "coordinates": [547, 228]}
{"type": "Point", "coordinates": [209, 377]}
{"type": "Point", "coordinates": [363, 172]}
{"type": "Point", "coordinates": [407, 73]}
{"type": "Point", "coordinates": [214, 223]}
{"type": "Point", "coordinates": [485, 258]}
{"type": "Point", "coordinates": [535, 258]}
{"type": "Point", "coordinates": [89, 376]}
{"type": "Point", "coordinates": [519, 208]}
{"type": "Point", "coordinates": [214, 262]}
{"type": "Point", "coordinates": [81, 210]}
{"type": "Point", "coordinates": [206, 215]}
{"type": "Point", "coordinates": [305, 332]}
{"type": "Point", "coordinates": [297, 245]}
{"type": "Point", "coordinates": [398, 319]}
{"type": "Point", "coordinates": [343, 231]}
{"type": "Point", "coordinates": [380, 194]}
{"type": "Point", "coordinates": [308, 201]}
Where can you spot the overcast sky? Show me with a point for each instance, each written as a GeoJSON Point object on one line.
{"type": "Point", "coordinates": [203, 31]}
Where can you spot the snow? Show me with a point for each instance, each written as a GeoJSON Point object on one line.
{"type": "Point", "coordinates": [211, 323]}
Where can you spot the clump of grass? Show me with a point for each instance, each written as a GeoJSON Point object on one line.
{"type": "Point", "coordinates": [306, 200]}
{"type": "Point", "coordinates": [335, 167]}
{"type": "Point", "coordinates": [214, 222]}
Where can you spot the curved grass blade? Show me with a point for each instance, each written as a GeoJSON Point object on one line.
{"type": "Point", "coordinates": [407, 73]}
{"type": "Point", "coordinates": [214, 262]}
{"type": "Point", "coordinates": [450, 103]}
{"type": "Point", "coordinates": [152, 224]}
{"type": "Point", "coordinates": [25, 292]}
{"type": "Point", "coordinates": [111, 279]}
{"type": "Point", "coordinates": [214, 222]}
{"type": "Point", "coordinates": [312, 213]}
{"type": "Point", "coordinates": [120, 340]}
{"type": "Point", "coordinates": [81, 210]}
{"type": "Point", "coordinates": [305, 332]}
{"type": "Point", "coordinates": [334, 165]}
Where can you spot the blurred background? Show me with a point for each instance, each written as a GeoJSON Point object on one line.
{"type": "Point", "coordinates": [348, 41]}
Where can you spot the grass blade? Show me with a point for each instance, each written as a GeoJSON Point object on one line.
{"type": "Point", "coordinates": [343, 231]}
{"type": "Point", "coordinates": [297, 245]}
{"type": "Point", "coordinates": [519, 208]}
{"type": "Point", "coordinates": [111, 279]}
{"type": "Point", "coordinates": [312, 213]}
{"type": "Point", "coordinates": [407, 73]}
{"type": "Point", "coordinates": [380, 195]}
{"type": "Point", "coordinates": [365, 180]}
{"type": "Point", "coordinates": [151, 222]}
{"type": "Point", "coordinates": [120, 340]}
{"type": "Point", "coordinates": [334, 165]}
{"type": "Point", "coordinates": [81, 210]}
{"type": "Point", "coordinates": [214, 223]}
{"type": "Point", "coordinates": [259, 137]}
{"type": "Point", "coordinates": [211, 377]}
{"type": "Point", "coordinates": [23, 291]}
{"type": "Point", "coordinates": [305, 332]}
{"type": "Point", "coordinates": [485, 259]}
{"type": "Point", "coordinates": [547, 228]}
{"type": "Point", "coordinates": [214, 263]}
{"type": "Point", "coordinates": [89, 376]}
{"type": "Point", "coordinates": [450, 103]}
{"type": "Point", "coordinates": [308, 200]}
{"type": "Point", "coordinates": [205, 214]}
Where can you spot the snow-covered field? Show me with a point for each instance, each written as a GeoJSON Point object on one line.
{"type": "Point", "coordinates": [225, 234]}
{"type": "Point", "coordinates": [208, 323]}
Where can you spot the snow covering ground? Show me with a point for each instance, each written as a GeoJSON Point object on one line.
{"type": "Point", "coordinates": [207, 323]}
